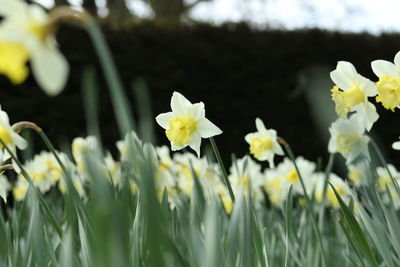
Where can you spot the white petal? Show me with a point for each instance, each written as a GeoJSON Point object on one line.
{"type": "Point", "coordinates": [197, 111]}
{"type": "Point", "coordinates": [179, 104]}
{"type": "Point", "coordinates": [383, 67]}
{"type": "Point", "coordinates": [397, 59]}
{"type": "Point", "coordinates": [249, 137]}
{"type": "Point", "coordinates": [344, 75]}
{"type": "Point", "coordinates": [10, 7]}
{"type": "Point", "coordinates": [20, 142]}
{"type": "Point", "coordinates": [163, 118]}
{"type": "Point", "coordinates": [195, 143]}
{"type": "Point", "coordinates": [396, 145]}
{"type": "Point", "coordinates": [3, 194]}
{"type": "Point", "coordinates": [207, 128]}
{"type": "Point", "coordinates": [278, 149]}
{"type": "Point", "coordinates": [260, 125]}
{"type": "Point", "coordinates": [50, 69]}
{"type": "Point", "coordinates": [368, 115]}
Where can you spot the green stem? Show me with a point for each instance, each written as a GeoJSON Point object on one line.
{"type": "Point", "coordinates": [222, 167]}
{"type": "Point", "coordinates": [328, 171]}
{"type": "Point", "coordinates": [289, 152]}
{"type": "Point", "coordinates": [118, 97]}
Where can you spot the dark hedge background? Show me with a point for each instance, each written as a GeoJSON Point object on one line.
{"type": "Point", "coordinates": [239, 73]}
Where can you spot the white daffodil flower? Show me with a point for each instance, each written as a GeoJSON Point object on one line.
{"type": "Point", "coordinates": [186, 124]}
{"type": "Point", "coordinates": [11, 139]}
{"type": "Point", "coordinates": [24, 36]}
{"type": "Point", "coordinates": [288, 172]}
{"type": "Point", "coordinates": [263, 143]}
{"type": "Point", "coordinates": [389, 82]}
{"type": "Point", "coordinates": [347, 138]}
{"type": "Point", "coordinates": [354, 93]}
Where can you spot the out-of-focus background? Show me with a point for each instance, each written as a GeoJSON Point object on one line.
{"type": "Point", "coordinates": [243, 58]}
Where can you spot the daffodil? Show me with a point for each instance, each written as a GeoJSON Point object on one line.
{"type": "Point", "coordinates": [24, 36]}
{"type": "Point", "coordinates": [389, 82]}
{"type": "Point", "coordinates": [263, 143]}
{"type": "Point", "coordinates": [287, 170]}
{"type": "Point", "coordinates": [351, 93]}
{"type": "Point", "coordinates": [10, 138]}
{"type": "Point", "coordinates": [347, 138]}
{"type": "Point", "coordinates": [186, 124]}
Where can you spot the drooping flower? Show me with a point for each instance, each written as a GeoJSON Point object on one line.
{"type": "Point", "coordinates": [347, 138]}
{"type": "Point", "coordinates": [354, 93]}
{"type": "Point", "coordinates": [10, 138]}
{"type": "Point", "coordinates": [24, 36]}
{"type": "Point", "coordinates": [263, 143]}
{"type": "Point", "coordinates": [389, 82]}
{"type": "Point", "coordinates": [186, 124]}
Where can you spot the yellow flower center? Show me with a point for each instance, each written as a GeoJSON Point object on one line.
{"type": "Point", "coordinates": [228, 205]}
{"type": "Point", "coordinates": [388, 92]}
{"type": "Point", "coordinates": [13, 58]}
{"type": "Point", "coordinates": [346, 141]}
{"type": "Point", "coordinates": [274, 185]}
{"type": "Point", "coordinates": [244, 181]}
{"type": "Point", "coordinates": [19, 192]}
{"type": "Point", "coordinates": [330, 194]}
{"type": "Point", "coordinates": [180, 130]}
{"type": "Point", "coordinates": [258, 146]}
{"type": "Point", "coordinates": [292, 176]}
{"type": "Point", "coordinates": [346, 100]}
{"type": "Point", "coordinates": [384, 182]}
{"type": "Point", "coordinates": [5, 136]}
{"type": "Point", "coordinates": [355, 176]}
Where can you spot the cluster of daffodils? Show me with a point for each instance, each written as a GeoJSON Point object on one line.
{"type": "Point", "coordinates": [351, 94]}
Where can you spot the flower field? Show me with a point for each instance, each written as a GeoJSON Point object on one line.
{"type": "Point", "coordinates": [178, 204]}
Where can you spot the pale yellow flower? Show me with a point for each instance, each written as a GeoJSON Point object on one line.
{"type": "Point", "coordinates": [24, 36]}
{"type": "Point", "coordinates": [186, 124]}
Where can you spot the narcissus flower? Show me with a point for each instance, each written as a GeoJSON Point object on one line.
{"type": "Point", "coordinates": [389, 82]}
{"type": "Point", "coordinates": [186, 124]}
{"type": "Point", "coordinates": [263, 143]}
{"type": "Point", "coordinates": [11, 139]}
{"type": "Point", "coordinates": [347, 138]}
{"type": "Point", "coordinates": [24, 36]}
{"type": "Point", "coordinates": [354, 93]}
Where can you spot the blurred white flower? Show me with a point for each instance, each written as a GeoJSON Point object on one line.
{"type": "Point", "coordinates": [186, 124]}
{"type": "Point", "coordinates": [347, 138]}
{"type": "Point", "coordinates": [24, 35]}
{"type": "Point", "coordinates": [11, 139]}
{"type": "Point", "coordinates": [263, 143]}
{"type": "Point", "coordinates": [354, 93]}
